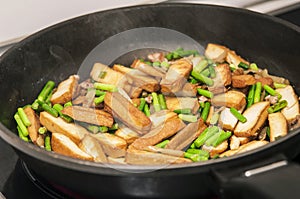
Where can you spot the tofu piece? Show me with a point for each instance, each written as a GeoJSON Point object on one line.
{"type": "Point", "coordinates": [233, 58]}
{"type": "Point", "coordinates": [216, 52]}
{"type": "Point", "coordinates": [265, 81]}
{"type": "Point", "coordinates": [278, 126]}
{"type": "Point", "coordinates": [223, 73]}
{"type": "Point", "coordinates": [174, 103]}
{"type": "Point", "coordinates": [256, 116]}
{"type": "Point", "coordinates": [168, 129]}
{"type": "Point", "coordinates": [234, 142]}
{"type": "Point", "coordinates": [227, 120]}
{"type": "Point", "coordinates": [171, 152]}
{"type": "Point", "coordinates": [89, 115]}
{"type": "Point", "coordinates": [186, 136]}
{"type": "Point", "coordinates": [112, 145]}
{"type": "Point", "coordinates": [213, 151]}
{"type": "Point", "coordinates": [116, 160]}
{"type": "Point", "coordinates": [104, 74]}
{"type": "Point", "coordinates": [160, 117]}
{"type": "Point", "coordinates": [64, 145]}
{"type": "Point", "coordinates": [127, 113]}
{"type": "Point", "coordinates": [127, 134]}
{"type": "Point", "coordinates": [251, 146]}
{"type": "Point", "coordinates": [92, 146]}
{"type": "Point", "coordinates": [291, 111]}
{"type": "Point", "coordinates": [230, 99]}
{"type": "Point", "coordinates": [138, 157]}
{"type": "Point", "coordinates": [145, 68]}
{"type": "Point", "coordinates": [188, 90]}
{"type": "Point", "coordinates": [242, 81]}
{"type": "Point", "coordinates": [176, 76]}
{"type": "Point", "coordinates": [35, 124]}
{"type": "Point", "coordinates": [65, 90]}
{"type": "Point", "coordinates": [58, 125]}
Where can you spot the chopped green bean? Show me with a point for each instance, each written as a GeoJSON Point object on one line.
{"type": "Point", "coordinates": [35, 105]}
{"type": "Point", "coordinates": [164, 64]}
{"type": "Point", "coordinates": [278, 106]}
{"type": "Point", "coordinates": [105, 87]}
{"type": "Point", "coordinates": [199, 152]}
{"type": "Point", "coordinates": [188, 118]}
{"type": "Point", "coordinates": [205, 93]}
{"type": "Point", "coordinates": [207, 133]}
{"type": "Point", "coordinates": [268, 131]}
{"type": "Point", "coordinates": [155, 102]}
{"type": "Point", "coordinates": [68, 104]}
{"type": "Point", "coordinates": [48, 143]}
{"type": "Point", "coordinates": [99, 93]}
{"type": "Point", "coordinates": [48, 109]}
{"type": "Point", "coordinates": [238, 115]}
{"type": "Point", "coordinates": [271, 91]}
{"type": "Point", "coordinates": [147, 110]}
{"type": "Point", "coordinates": [21, 124]}
{"type": "Point", "coordinates": [115, 126]}
{"type": "Point", "coordinates": [205, 72]}
{"type": "Point", "coordinates": [223, 136]}
{"type": "Point", "coordinates": [250, 98]}
{"type": "Point", "coordinates": [99, 100]}
{"type": "Point", "coordinates": [42, 130]}
{"type": "Point", "coordinates": [183, 111]}
{"type": "Point", "coordinates": [214, 119]}
{"type": "Point", "coordinates": [195, 157]}
{"type": "Point", "coordinates": [200, 66]}
{"type": "Point", "coordinates": [156, 64]}
{"type": "Point", "coordinates": [257, 93]}
{"type": "Point", "coordinates": [142, 104]}
{"type": "Point", "coordinates": [102, 74]}
{"type": "Point", "coordinates": [205, 111]}
{"type": "Point", "coordinates": [253, 66]}
{"type": "Point", "coordinates": [278, 85]}
{"type": "Point", "coordinates": [162, 101]}
{"type": "Point", "coordinates": [93, 128]}
{"type": "Point", "coordinates": [58, 107]}
{"type": "Point", "coordinates": [212, 71]}
{"type": "Point", "coordinates": [192, 146]}
{"type": "Point", "coordinates": [24, 117]}
{"type": "Point", "coordinates": [162, 144]}
{"type": "Point", "coordinates": [21, 135]}
{"type": "Point", "coordinates": [243, 65]}
{"type": "Point", "coordinates": [104, 129]}
{"type": "Point", "coordinates": [46, 91]}
{"type": "Point", "coordinates": [202, 78]}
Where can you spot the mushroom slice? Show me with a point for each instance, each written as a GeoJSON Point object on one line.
{"type": "Point", "coordinates": [278, 126]}
{"type": "Point", "coordinates": [127, 134]}
{"type": "Point", "coordinates": [174, 103]}
{"type": "Point", "coordinates": [125, 111]}
{"type": "Point", "coordinates": [89, 115]}
{"type": "Point", "coordinates": [104, 74]}
{"type": "Point", "coordinates": [58, 125]}
{"type": "Point", "coordinates": [187, 135]}
{"type": "Point", "coordinates": [291, 111]}
{"type": "Point", "coordinates": [229, 99]}
{"type": "Point", "coordinates": [251, 146]}
{"type": "Point", "coordinates": [149, 158]}
{"type": "Point", "coordinates": [169, 128]}
{"type": "Point", "coordinates": [216, 52]}
{"type": "Point", "coordinates": [256, 116]}
{"type": "Point", "coordinates": [65, 90]}
{"type": "Point", "coordinates": [242, 81]}
{"type": "Point", "coordinates": [64, 145]}
{"type": "Point", "coordinates": [35, 124]}
{"type": "Point", "coordinates": [92, 146]}
{"type": "Point", "coordinates": [112, 145]}
{"type": "Point", "coordinates": [176, 76]}
{"type": "Point", "coordinates": [227, 120]}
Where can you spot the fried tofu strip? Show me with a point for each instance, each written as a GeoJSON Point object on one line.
{"type": "Point", "coordinates": [230, 99]}
{"type": "Point", "coordinates": [256, 116]}
{"type": "Point", "coordinates": [242, 81]}
{"type": "Point", "coordinates": [187, 135]}
{"type": "Point", "coordinates": [35, 124]}
{"type": "Point", "coordinates": [65, 90]}
{"type": "Point", "coordinates": [64, 145]}
{"type": "Point", "coordinates": [169, 128]}
{"type": "Point", "coordinates": [145, 68]}
{"type": "Point", "coordinates": [174, 103]}
{"type": "Point", "coordinates": [176, 76]}
{"type": "Point", "coordinates": [244, 148]}
{"type": "Point", "coordinates": [213, 151]}
{"type": "Point", "coordinates": [139, 157]}
{"type": "Point", "coordinates": [125, 111]}
{"type": "Point", "coordinates": [104, 74]}
{"type": "Point", "coordinates": [127, 134]}
{"type": "Point", "coordinates": [58, 125]}
{"type": "Point", "coordinates": [227, 120]}
{"type": "Point", "coordinates": [89, 115]}
{"type": "Point", "coordinates": [216, 52]}
{"type": "Point", "coordinates": [278, 126]}
{"type": "Point", "coordinates": [233, 58]}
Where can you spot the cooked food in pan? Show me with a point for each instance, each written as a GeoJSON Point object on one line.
{"type": "Point", "coordinates": [175, 107]}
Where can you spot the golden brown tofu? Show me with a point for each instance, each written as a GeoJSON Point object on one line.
{"type": "Point", "coordinates": [256, 116]}
{"type": "Point", "coordinates": [216, 52]}
{"type": "Point", "coordinates": [230, 99]}
{"type": "Point", "coordinates": [35, 124]}
{"type": "Point", "coordinates": [104, 74]}
{"type": "Point", "coordinates": [65, 90]}
{"type": "Point", "coordinates": [223, 73]}
{"type": "Point", "coordinates": [127, 134]}
{"type": "Point", "coordinates": [64, 145]}
{"type": "Point", "coordinates": [242, 81]}
{"type": "Point", "coordinates": [213, 151]}
{"type": "Point", "coordinates": [227, 120]}
{"type": "Point", "coordinates": [278, 126]}
{"type": "Point", "coordinates": [251, 146]}
{"type": "Point", "coordinates": [265, 81]}
{"type": "Point", "coordinates": [89, 115]}
{"type": "Point", "coordinates": [174, 103]}
{"type": "Point", "coordinates": [233, 58]}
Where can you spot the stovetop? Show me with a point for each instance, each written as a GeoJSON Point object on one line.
{"type": "Point", "coordinates": [16, 181]}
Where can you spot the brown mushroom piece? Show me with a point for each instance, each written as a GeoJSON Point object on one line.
{"type": "Point", "coordinates": [89, 115]}
{"type": "Point", "coordinates": [278, 126]}
{"type": "Point", "coordinates": [256, 116]}
{"type": "Point", "coordinates": [127, 113]}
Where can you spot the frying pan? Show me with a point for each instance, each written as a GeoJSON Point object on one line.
{"type": "Point", "coordinates": [58, 51]}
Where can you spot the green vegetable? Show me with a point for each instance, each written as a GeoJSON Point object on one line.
{"type": "Point", "coordinates": [250, 98]}
{"type": "Point", "coordinates": [195, 157]}
{"type": "Point", "coordinates": [278, 85]}
{"type": "Point", "coordinates": [105, 87]}
{"type": "Point", "coordinates": [205, 72]}
{"type": "Point", "coordinates": [205, 93]}
{"type": "Point", "coordinates": [183, 111]}
{"type": "Point", "coordinates": [48, 108]}
{"type": "Point", "coordinates": [271, 91]}
{"type": "Point", "coordinates": [142, 104]}
{"type": "Point", "coordinates": [200, 66]}
{"type": "Point", "coordinates": [115, 126]}
{"type": "Point", "coordinates": [205, 111]}
{"type": "Point", "coordinates": [238, 115]}
{"type": "Point", "coordinates": [48, 143]}
{"type": "Point", "coordinates": [278, 106]}
{"type": "Point", "coordinates": [147, 110]}
{"type": "Point", "coordinates": [268, 131]}
{"type": "Point", "coordinates": [99, 100]}
{"type": "Point", "coordinates": [93, 128]}
{"type": "Point", "coordinates": [222, 137]}
{"type": "Point", "coordinates": [207, 133]}
{"type": "Point", "coordinates": [59, 108]}
{"type": "Point", "coordinates": [162, 144]}
{"type": "Point", "coordinates": [42, 130]}
{"type": "Point", "coordinates": [214, 119]}
{"type": "Point", "coordinates": [24, 117]}
{"type": "Point", "coordinates": [257, 92]}
{"type": "Point", "coordinates": [156, 64]}
{"type": "Point", "coordinates": [253, 66]}
{"type": "Point", "coordinates": [99, 93]}
{"type": "Point", "coordinates": [46, 91]}
{"type": "Point", "coordinates": [68, 104]}
{"type": "Point", "coordinates": [162, 101]}
{"type": "Point", "coordinates": [155, 102]}
{"type": "Point", "coordinates": [164, 64]}
{"type": "Point", "coordinates": [202, 78]}
{"type": "Point", "coordinates": [243, 65]}
{"type": "Point", "coordinates": [104, 129]}
{"type": "Point", "coordinates": [192, 146]}
{"type": "Point", "coordinates": [21, 135]}
{"type": "Point", "coordinates": [199, 152]}
{"type": "Point", "coordinates": [21, 124]}
{"type": "Point", "coordinates": [102, 74]}
{"type": "Point", "coordinates": [212, 71]}
{"type": "Point", "coordinates": [188, 118]}
{"type": "Point", "coordinates": [35, 105]}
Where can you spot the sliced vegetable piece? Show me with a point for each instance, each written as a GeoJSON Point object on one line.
{"type": "Point", "coordinates": [278, 126]}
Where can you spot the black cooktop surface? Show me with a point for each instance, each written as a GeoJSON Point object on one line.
{"type": "Point", "coordinates": [16, 181]}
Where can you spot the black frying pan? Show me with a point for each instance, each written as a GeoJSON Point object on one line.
{"type": "Point", "coordinates": [58, 51]}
